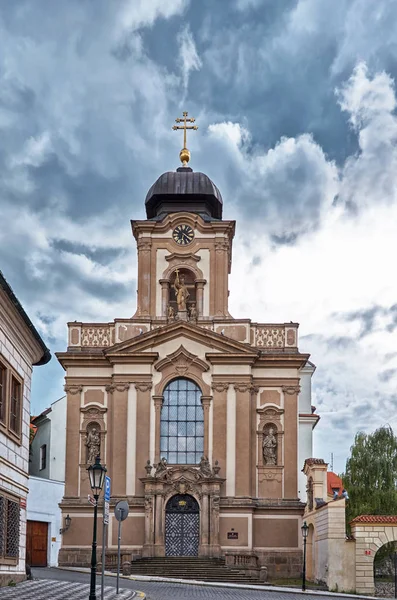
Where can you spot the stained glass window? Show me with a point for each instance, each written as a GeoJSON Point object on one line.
{"type": "Point", "coordinates": [182, 423]}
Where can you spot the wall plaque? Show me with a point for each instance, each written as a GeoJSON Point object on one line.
{"type": "Point", "coordinates": [232, 535]}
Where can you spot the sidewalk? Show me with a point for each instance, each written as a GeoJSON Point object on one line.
{"type": "Point", "coordinates": [50, 589]}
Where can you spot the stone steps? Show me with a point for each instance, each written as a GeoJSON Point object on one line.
{"type": "Point", "coordinates": [181, 567]}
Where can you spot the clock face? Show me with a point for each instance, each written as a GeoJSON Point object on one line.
{"type": "Point", "coordinates": [183, 234]}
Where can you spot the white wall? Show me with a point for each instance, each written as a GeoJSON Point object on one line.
{"type": "Point", "coordinates": [305, 433]}
{"type": "Point", "coordinates": [43, 505]}
{"type": "Point", "coordinates": [57, 454]}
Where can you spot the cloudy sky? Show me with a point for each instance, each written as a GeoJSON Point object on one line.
{"type": "Point", "coordinates": [296, 106]}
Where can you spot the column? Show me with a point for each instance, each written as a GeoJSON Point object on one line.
{"type": "Point", "coordinates": [158, 403]}
{"type": "Point", "coordinates": [206, 402]}
{"type": "Point", "coordinates": [165, 295]}
{"type": "Point", "coordinates": [221, 277]}
{"type": "Point", "coordinates": [243, 439]}
{"type": "Point", "coordinates": [158, 531]}
{"type": "Point", "coordinates": [200, 296]}
{"type": "Point", "coordinates": [130, 475]}
{"type": "Point", "coordinates": [290, 440]}
{"type": "Point", "coordinates": [73, 440]}
{"type": "Point", "coordinates": [231, 442]}
{"type": "Point", "coordinates": [204, 517]}
{"type": "Point", "coordinates": [119, 438]}
{"type": "Point", "coordinates": [149, 525]}
{"type": "Point", "coordinates": [143, 431]}
{"type": "Point", "coordinates": [219, 431]}
{"type": "Point", "coordinates": [144, 271]}
{"type": "Point", "coordinates": [215, 546]}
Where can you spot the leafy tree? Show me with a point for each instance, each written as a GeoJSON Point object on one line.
{"type": "Point", "coordinates": [371, 474]}
{"type": "Point", "coordinates": [371, 477]}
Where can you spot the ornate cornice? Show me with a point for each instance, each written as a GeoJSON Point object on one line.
{"type": "Point", "coordinates": [73, 389]}
{"type": "Point", "coordinates": [143, 386]}
{"type": "Point", "coordinates": [220, 386]}
{"type": "Point", "coordinates": [291, 390]}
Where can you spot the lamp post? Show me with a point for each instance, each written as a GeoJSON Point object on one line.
{"type": "Point", "coordinates": [305, 531]}
{"type": "Point", "coordinates": [96, 474]}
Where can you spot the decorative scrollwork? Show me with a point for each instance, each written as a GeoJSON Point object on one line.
{"type": "Point", "coordinates": [96, 336]}
{"type": "Point", "coordinates": [270, 337]}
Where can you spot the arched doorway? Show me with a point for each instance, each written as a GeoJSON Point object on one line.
{"type": "Point", "coordinates": [182, 526]}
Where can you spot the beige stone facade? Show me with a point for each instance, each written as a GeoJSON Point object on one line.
{"type": "Point", "coordinates": [21, 348]}
{"type": "Point", "coordinates": [248, 374]}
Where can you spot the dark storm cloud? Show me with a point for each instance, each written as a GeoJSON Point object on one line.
{"type": "Point", "coordinates": [88, 94]}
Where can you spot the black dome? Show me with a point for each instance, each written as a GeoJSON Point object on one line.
{"type": "Point", "coordinates": [183, 190]}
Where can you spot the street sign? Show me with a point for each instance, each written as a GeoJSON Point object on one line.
{"type": "Point", "coordinates": [121, 510]}
{"type": "Point", "coordinates": [106, 513]}
{"type": "Point", "coordinates": [107, 488]}
{"type": "Point", "coordinates": [91, 500]}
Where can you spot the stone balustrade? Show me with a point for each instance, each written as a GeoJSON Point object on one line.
{"type": "Point", "coordinates": [266, 336]}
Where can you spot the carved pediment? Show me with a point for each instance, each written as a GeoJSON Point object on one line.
{"type": "Point", "coordinates": [271, 410]}
{"type": "Point", "coordinates": [181, 360]}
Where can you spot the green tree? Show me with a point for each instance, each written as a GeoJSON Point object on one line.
{"type": "Point", "coordinates": [371, 474]}
{"type": "Point", "coordinates": [371, 477]}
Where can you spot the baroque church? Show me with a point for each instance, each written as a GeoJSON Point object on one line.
{"type": "Point", "coordinates": [203, 421]}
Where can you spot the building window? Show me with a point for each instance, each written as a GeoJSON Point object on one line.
{"type": "Point", "coordinates": [15, 406]}
{"type": "Point", "coordinates": [3, 388]}
{"type": "Point", "coordinates": [43, 457]}
{"type": "Point", "coordinates": [9, 529]}
{"type": "Point", "coordinates": [182, 423]}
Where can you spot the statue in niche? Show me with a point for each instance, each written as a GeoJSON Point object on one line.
{"type": "Point", "coordinates": [205, 467]}
{"type": "Point", "coordinates": [269, 447]}
{"type": "Point", "coordinates": [192, 311]}
{"type": "Point", "coordinates": [181, 291]}
{"type": "Point", "coordinates": [93, 444]}
{"type": "Point", "coordinates": [171, 313]}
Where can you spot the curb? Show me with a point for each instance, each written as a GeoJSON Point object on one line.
{"type": "Point", "coordinates": [238, 586]}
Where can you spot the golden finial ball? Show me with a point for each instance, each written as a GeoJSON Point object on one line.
{"type": "Point", "coordinates": [184, 155]}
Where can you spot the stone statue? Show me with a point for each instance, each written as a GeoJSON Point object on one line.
{"type": "Point", "coordinates": [269, 448]}
{"type": "Point", "coordinates": [171, 313]}
{"type": "Point", "coordinates": [205, 467]}
{"type": "Point", "coordinates": [93, 443]}
{"type": "Point", "coordinates": [161, 467]}
{"type": "Point", "coordinates": [193, 311]}
{"type": "Point", "coordinates": [181, 291]}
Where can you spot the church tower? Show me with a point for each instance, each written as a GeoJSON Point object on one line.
{"type": "Point", "coordinates": [203, 420]}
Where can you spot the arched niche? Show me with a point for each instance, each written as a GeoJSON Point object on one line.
{"type": "Point", "coordinates": [193, 280]}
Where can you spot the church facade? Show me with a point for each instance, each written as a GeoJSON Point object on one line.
{"type": "Point", "coordinates": [203, 421]}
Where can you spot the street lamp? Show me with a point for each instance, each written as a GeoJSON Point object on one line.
{"type": "Point", "coordinates": [96, 474]}
{"type": "Point", "coordinates": [68, 521]}
{"type": "Point", "coordinates": [305, 531]}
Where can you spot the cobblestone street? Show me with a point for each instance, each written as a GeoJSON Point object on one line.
{"type": "Point", "coordinates": [48, 589]}
{"type": "Point", "coordinates": [66, 585]}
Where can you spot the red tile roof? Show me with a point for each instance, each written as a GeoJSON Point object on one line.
{"type": "Point", "coordinates": [375, 519]}
{"type": "Point", "coordinates": [333, 482]}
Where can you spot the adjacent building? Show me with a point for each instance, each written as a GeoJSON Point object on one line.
{"type": "Point", "coordinates": [21, 348]}
{"type": "Point", "coordinates": [203, 420]}
{"type": "Point", "coordinates": [46, 486]}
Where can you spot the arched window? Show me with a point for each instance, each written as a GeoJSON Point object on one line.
{"type": "Point", "coordinates": [182, 423]}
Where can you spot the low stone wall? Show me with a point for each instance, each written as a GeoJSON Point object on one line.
{"type": "Point", "coordinates": [281, 564]}
{"type": "Point", "coordinates": [7, 577]}
{"type": "Point", "coordinates": [75, 557]}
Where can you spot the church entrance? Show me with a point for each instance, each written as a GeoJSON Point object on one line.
{"type": "Point", "coordinates": [182, 526]}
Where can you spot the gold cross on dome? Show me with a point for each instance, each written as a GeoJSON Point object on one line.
{"type": "Point", "coordinates": [184, 154]}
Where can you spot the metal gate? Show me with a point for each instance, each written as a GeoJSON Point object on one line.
{"type": "Point", "coordinates": [182, 526]}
